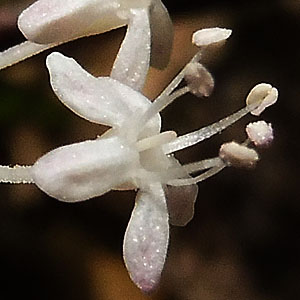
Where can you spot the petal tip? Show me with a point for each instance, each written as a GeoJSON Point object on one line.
{"type": "Point", "coordinates": [53, 58]}
{"type": "Point", "coordinates": [146, 286]}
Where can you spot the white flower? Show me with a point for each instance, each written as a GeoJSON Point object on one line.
{"type": "Point", "coordinates": [47, 23]}
{"type": "Point", "coordinates": [131, 155]}
{"type": "Point", "coordinates": [134, 153]}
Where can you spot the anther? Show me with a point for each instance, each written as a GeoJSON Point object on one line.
{"type": "Point", "coordinates": [264, 95]}
{"type": "Point", "coordinates": [260, 133]}
{"type": "Point", "coordinates": [198, 79]}
{"type": "Point", "coordinates": [238, 155]}
{"type": "Point", "coordinates": [208, 36]}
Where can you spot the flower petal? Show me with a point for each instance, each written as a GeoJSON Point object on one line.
{"type": "Point", "coordinates": [132, 63]}
{"type": "Point", "coordinates": [57, 21]}
{"type": "Point", "coordinates": [84, 170]}
{"type": "Point", "coordinates": [181, 200]}
{"type": "Point", "coordinates": [101, 100]}
{"type": "Point", "coordinates": [49, 21]}
{"type": "Point", "coordinates": [161, 35]}
{"type": "Point", "coordinates": [146, 238]}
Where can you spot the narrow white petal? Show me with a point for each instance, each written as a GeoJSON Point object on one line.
{"type": "Point", "coordinates": [51, 21]}
{"type": "Point", "coordinates": [161, 29]}
{"type": "Point", "coordinates": [84, 170]}
{"type": "Point", "coordinates": [146, 238]}
{"type": "Point", "coordinates": [132, 63]}
{"type": "Point", "coordinates": [161, 35]}
{"type": "Point", "coordinates": [101, 100]}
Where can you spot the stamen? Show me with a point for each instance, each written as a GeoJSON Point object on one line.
{"type": "Point", "coordinates": [173, 176]}
{"type": "Point", "coordinates": [208, 36]}
{"type": "Point", "coordinates": [163, 102]}
{"type": "Point", "coordinates": [156, 140]}
{"type": "Point", "coordinates": [202, 165]}
{"type": "Point", "coordinates": [199, 80]}
{"type": "Point", "coordinates": [167, 97]}
{"type": "Point", "coordinates": [260, 97]}
{"type": "Point", "coordinates": [21, 52]}
{"type": "Point", "coordinates": [260, 133]}
{"type": "Point", "coordinates": [238, 155]}
{"type": "Point", "coordinates": [175, 82]}
{"type": "Point", "coordinates": [16, 174]}
{"type": "Point", "coordinates": [264, 94]}
{"type": "Point", "coordinates": [153, 109]}
{"type": "Point", "coordinates": [193, 180]}
{"type": "Point", "coordinates": [197, 136]}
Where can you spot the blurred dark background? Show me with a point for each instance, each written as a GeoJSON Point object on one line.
{"type": "Point", "coordinates": [243, 242]}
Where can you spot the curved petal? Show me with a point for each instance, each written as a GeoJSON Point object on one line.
{"type": "Point", "coordinates": [181, 199]}
{"type": "Point", "coordinates": [84, 170]}
{"type": "Point", "coordinates": [57, 21]}
{"type": "Point", "coordinates": [161, 35]}
{"type": "Point", "coordinates": [101, 100]}
{"type": "Point", "coordinates": [132, 63]}
{"type": "Point", "coordinates": [54, 21]}
{"type": "Point", "coordinates": [146, 238]}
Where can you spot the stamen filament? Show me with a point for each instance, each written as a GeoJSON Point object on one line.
{"type": "Point", "coordinates": [174, 173]}
{"type": "Point", "coordinates": [197, 136]}
{"type": "Point", "coordinates": [167, 97]}
{"type": "Point", "coordinates": [202, 165]}
{"type": "Point", "coordinates": [202, 177]}
{"type": "Point", "coordinates": [153, 109]}
{"type": "Point", "coordinates": [175, 82]}
{"type": "Point", "coordinates": [158, 106]}
{"type": "Point", "coordinates": [16, 174]}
